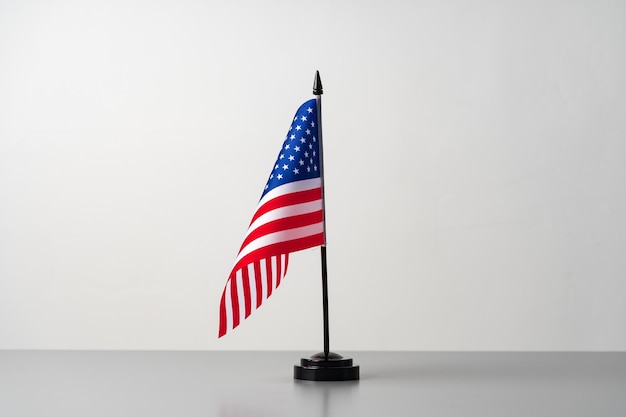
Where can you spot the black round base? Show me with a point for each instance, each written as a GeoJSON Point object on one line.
{"type": "Point", "coordinates": [320, 367]}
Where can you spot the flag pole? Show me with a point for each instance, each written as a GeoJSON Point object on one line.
{"type": "Point", "coordinates": [318, 90]}
{"type": "Point", "coordinates": [324, 366]}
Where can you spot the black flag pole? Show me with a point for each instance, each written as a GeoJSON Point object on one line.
{"type": "Point", "coordinates": [324, 366]}
{"type": "Point", "coordinates": [318, 90]}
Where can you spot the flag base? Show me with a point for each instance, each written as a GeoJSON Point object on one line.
{"type": "Point", "coordinates": [321, 368]}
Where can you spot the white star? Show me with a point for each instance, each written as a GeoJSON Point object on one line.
{"type": "Point", "coordinates": [298, 127]}
{"type": "Point", "coordinates": [310, 110]}
{"type": "Point", "coordinates": [271, 176]}
{"type": "Point", "coordinates": [292, 136]}
{"type": "Point", "coordinates": [306, 155]}
{"type": "Point", "coordinates": [312, 124]}
{"type": "Point", "coordinates": [285, 167]}
{"type": "Point", "coordinates": [291, 158]}
{"type": "Point", "coordinates": [279, 176]}
{"type": "Point", "coordinates": [282, 155]}
{"type": "Point", "coordinates": [301, 162]}
{"type": "Point", "coordinates": [286, 146]}
{"type": "Point", "coordinates": [311, 161]}
{"type": "Point", "coordinates": [297, 149]}
{"type": "Point", "coordinates": [303, 140]}
{"type": "Point", "coordinates": [310, 146]}
{"type": "Point", "coordinates": [308, 169]}
{"type": "Point", "coordinates": [308, 132]}
{"type": "Point", "coordinates": [315, 167]}
{"type": "Point", "coordinates": [276, 167]}
{"type": "Point", "coordinates": [296, 171]}
{"type": "Point", "coordinates": [313, 153]}
{"type": "Point", "coordinates": [303, 119]}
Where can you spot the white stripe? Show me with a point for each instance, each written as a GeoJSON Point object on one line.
{"type": "Point", "coordinates": [281, 236]}
{"type": "Point", "coordinates": [284, 212]}
{"type": "Point", "coordinates": [274, 272]}
{"type": "Point", "coordinates": [240, 297]}
{"type": "Point", "coordinates": [229, 307]}
{"type": "Point", "coordinates": [290, 187]}
{"type": "Point", "coordinates": [263, 279]}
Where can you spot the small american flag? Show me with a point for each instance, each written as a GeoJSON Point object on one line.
{"type": "Point", "coordinates": [288, 218]}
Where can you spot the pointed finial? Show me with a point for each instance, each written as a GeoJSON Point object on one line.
{"type": "Point", "coordinates": [317, 85]}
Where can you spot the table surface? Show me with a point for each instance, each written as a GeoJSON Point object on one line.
{"type": "Point", "coordinates": [152, 384]}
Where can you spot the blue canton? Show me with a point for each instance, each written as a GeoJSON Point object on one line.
{"type": "Point", "coordinates": [298, 159]}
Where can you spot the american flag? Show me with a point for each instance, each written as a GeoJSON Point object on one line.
{"type": "Point", "coordinates": [289, 217]}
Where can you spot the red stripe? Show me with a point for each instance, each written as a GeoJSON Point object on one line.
{"type": "Point", "coordinates": [290, 199]}
{"type": "Point", "coordinates": [286, 223]}
{"type": "Point", "coordinates": [234, 299]}
{"type": "Point", "coordinates": [222, 330]}
{"type": "Point", "coordinates": [280, 248]}
{"type": "Point", "coordinates": [247, 298]}
{"type": "Point", "coordinates": [258, 284]}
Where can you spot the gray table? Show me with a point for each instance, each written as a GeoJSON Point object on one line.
{"type": "Point", "coordinates": [151, 384]}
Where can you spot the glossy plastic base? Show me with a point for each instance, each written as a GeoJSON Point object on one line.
{"type": "Point", "coordinates": [321, 368]}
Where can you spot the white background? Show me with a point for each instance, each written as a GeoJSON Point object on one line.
{"type": "Point", "coordinates": [474, 169]}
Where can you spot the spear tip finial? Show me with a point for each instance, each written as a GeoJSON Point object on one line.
{"type": "Point", "coordinates": [317, 85]}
